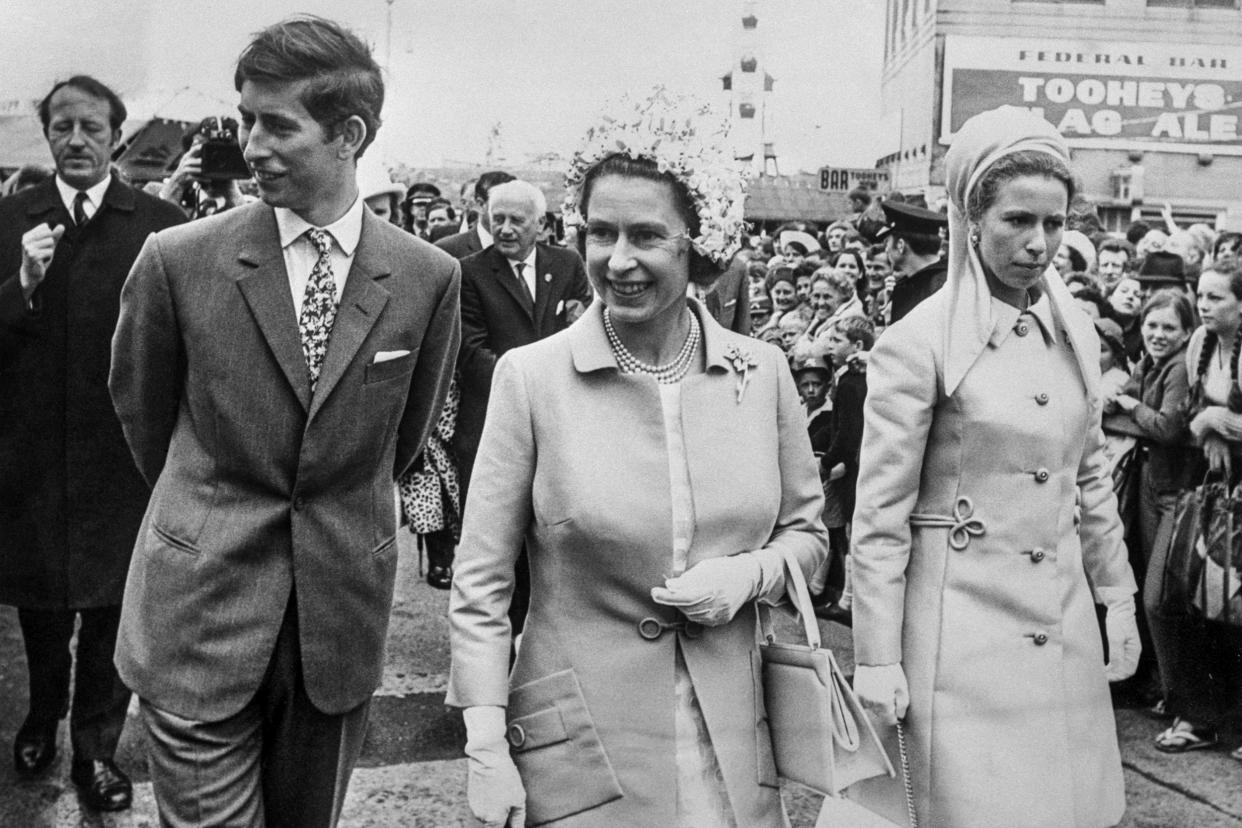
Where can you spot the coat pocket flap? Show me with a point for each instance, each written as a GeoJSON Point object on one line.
{"type": "Point", "coordinates": [536, 730]}
{"type": "Point", "coordinates": [571, 773]}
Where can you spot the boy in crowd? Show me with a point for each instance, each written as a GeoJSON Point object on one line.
{"type": "Point", "coordinates": [848, 338]}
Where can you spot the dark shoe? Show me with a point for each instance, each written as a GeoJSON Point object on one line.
{"type": "Point", "coordinates": [440, 577]}
{"type": "Point", "coordinates": [1184, 736]}
{"type": "Point", "coordinates": [34, 748]}
{"type": "Point", "coordinates": [837, 613]}
{"type": "Point", "coordinates": [102, 785]}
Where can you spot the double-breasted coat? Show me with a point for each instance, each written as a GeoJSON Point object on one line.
{"type": "Point", "coordinates": [992, 615]}
{"type": "Point", "coordinates": [574, 459]}
{"type": "Point", "coordinates": [71, 498]}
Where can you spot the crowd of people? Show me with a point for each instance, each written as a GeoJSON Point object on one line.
{"type": "Point", "coordinates": [612, 441]}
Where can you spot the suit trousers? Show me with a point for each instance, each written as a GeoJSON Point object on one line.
{"type": "Point", "coordinates": [100, 699]}
{"type": "Point", "coordinates": [278, 762]}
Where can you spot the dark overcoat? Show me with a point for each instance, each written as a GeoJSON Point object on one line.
{"type": "Point", "coordinates": [71, 499]}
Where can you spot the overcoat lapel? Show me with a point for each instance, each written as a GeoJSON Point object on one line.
{"type": "Point", "coordinates": [265, 287]}
{"type": "Point", "coordinates": [362, 301]}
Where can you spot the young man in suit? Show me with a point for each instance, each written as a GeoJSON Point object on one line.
{"type": "Point", "coordinates": [275, 368]}
{"type": "Point", "coordinates": [72, 499]}
{"type": "Point", "coordinates": [513, 293]}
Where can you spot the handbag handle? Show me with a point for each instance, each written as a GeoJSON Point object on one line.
{"type": "Point", "coordinates": [800, 596]}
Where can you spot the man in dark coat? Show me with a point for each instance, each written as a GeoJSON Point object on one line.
{"type": "Point", "coordinates": [911, 237]}
{"type": "Point", "coordinates": [71, 499]}
{"type": "Point", "coordinates": [477, 238]}
{"type": "Point", "coordinates": [728, 299]}
{"type": "Point", "coordinates": [503, 309]}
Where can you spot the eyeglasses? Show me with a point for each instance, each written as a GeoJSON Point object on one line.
{"type": "Point", "coordinates": [643, 239]}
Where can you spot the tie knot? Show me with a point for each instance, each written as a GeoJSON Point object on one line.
{"type": "Point", "coordinates": [517, 268]}
{"type": "Point", "coordinates": [321, 239]}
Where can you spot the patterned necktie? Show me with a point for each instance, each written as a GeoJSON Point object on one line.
{"type": "Point", "coordinates": [528, 301]}
{"type": "Point", "coordinates": [79, 209]}
{"type": "Point", "coordinates": [318, 306]}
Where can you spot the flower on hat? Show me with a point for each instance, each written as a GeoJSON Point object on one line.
{"type": "Point", "coordinates": [684, 138]}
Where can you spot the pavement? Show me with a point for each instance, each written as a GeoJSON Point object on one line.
{"type": "Point", "coordinates": [412, 772]}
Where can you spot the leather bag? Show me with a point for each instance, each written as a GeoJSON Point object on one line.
{"type": "Point", "coordinates": [821, 738]}
{"type": "Point", "coordinates": [1203, 570]}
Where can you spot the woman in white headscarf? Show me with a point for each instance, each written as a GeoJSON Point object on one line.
{"type": "Point", "coordinates": [986, 526]}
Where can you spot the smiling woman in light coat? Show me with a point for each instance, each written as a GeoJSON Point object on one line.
{"type": "Point", "coordinates": [986, 522]}
{"type": "Point", "coordinates": [658, 468]}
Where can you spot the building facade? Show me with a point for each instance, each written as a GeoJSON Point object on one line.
{"type": "Point", "coordinates": [1148, 94]}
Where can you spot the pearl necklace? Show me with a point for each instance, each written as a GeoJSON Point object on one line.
{"type": "Point", "coordinates": [668, 374]}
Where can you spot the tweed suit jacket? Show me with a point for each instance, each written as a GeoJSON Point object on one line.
{"type": "Point", "coordinates": [494, 320]}
{"type": "Point", "coordinates": [259, 484]}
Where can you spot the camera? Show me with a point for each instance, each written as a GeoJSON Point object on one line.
{"type": "Point", "coordinates": [221, 156]}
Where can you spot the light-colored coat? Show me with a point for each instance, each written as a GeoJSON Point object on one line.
{"type": "Point", "coordinates": [258, 484]}
{"type": "Point", "coordinates": [1005, 727]}
{"type": "Point", "coordinates": [574, 459]}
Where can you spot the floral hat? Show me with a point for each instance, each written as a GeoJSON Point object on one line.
{"type": "Point", "coordinates": [685, 138]}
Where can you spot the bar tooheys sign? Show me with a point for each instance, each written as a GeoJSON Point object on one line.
{"type": "Point", "coordinates": [1183, 98]}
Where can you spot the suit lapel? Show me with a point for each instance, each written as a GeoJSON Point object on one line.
{"type": "Point", "coordinates": [543, 289]}
{"type": "Point", "coordinates": [361, 304]}
{"type": "Point", "coordinates": [265, 287]}
{"type": "Point", "coordinates": [508, 280]}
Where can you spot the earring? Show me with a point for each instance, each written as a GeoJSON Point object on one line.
{"type": "Point", "coordinates": [974, 238]}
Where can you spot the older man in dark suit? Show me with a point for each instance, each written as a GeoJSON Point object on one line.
{"type": "Point", "coordinates": [275, 368]}
{"type": "Point", "coordinates": [70, 497]}
{"type": "Point", "coordinates": [513, 293]}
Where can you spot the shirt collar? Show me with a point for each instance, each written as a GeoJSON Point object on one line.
{"type": "Point", "coordinates": [485, 238]}
{"type": "Point", "coordinates": [95, 193]}
{"type": "Point", "coordinates": [1005, 317]}
{"type": "Point", "coordinates": [345, 231]}
{"type": "Point", "coordinates": [529, 261]}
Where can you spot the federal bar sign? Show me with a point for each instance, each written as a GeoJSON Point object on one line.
{"type": "Point", "coordinates": [1109, 95]}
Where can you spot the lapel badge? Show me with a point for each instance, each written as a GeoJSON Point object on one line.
{"type": "Point", "coordinates": [547, 277]}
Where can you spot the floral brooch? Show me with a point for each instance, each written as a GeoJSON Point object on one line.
{"type": "Point", "coordinates": [742, 361]}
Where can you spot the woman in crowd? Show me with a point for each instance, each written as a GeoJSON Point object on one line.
{"type": "Point", "coordinates": [1126, 300]}
{"type": "Point", "coordinates": [657, 468]}
{"type": "Point", "coordinates": [1153, 406]}
{"type": "Point", "coordinates": [782, 287]}
{"type": "Point", "coordinates": [1201, 660]}
{"type": "Point", "coordinates": [986, 522]}
{"type": "Point", "coordinates": [851, 263]}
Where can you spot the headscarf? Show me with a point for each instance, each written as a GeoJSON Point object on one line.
{"type": "Point", "coordinates": [981, 142]}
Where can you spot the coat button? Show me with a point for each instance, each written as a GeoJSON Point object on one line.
{"type": "Point", "coordinates": [1041, 398]}
{"type": "Point", "coordinates": [298, 503]}
{"type": "Point", "coordinates": [516, 735]}
{"type": "Point", "coordinates": [1040, 639]}
{"type": "Point", "coordinates": [1037, 555]}
{"type": "Point", "coordinates": [1023, 329]}
{"type": "Point", "coordinates": [1041, 476]}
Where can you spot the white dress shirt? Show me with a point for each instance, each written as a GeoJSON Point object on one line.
{"type": "Point", "coordinates": [94, 196]}
{"type": "Point", "coordinates": [301, 255]}
{"type": "Point", "coordinates": [528, 271]}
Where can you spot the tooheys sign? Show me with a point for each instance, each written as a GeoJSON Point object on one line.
{"type": "Point", "coordinates": [1098, 94]}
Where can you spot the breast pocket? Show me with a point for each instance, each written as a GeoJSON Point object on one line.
{"type": "Point", "coordinates": [557, 750]}
{"type": "Point", "coordinates": [390, 369]}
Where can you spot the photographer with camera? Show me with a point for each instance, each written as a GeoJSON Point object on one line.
{"type": "Point", "coordinates": [205, 179]}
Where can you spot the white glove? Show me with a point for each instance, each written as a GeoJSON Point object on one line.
{"type": "Point", "coordinates": [1121, 627]}
{"type": "Point", "coordinates": [493, 786]}
{"type": "Point", "coordinates": [883, 691]}
{"type": "Point", "coordinates": [712, 591]}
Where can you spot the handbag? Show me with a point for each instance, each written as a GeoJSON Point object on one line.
{"type": "Point", "coordinates": [1201, 575]}
{"type": "Point", "coordinates": [821, 737]}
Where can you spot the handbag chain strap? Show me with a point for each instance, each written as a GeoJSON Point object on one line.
{"type": "Point", "coordinates": [905, 776]}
